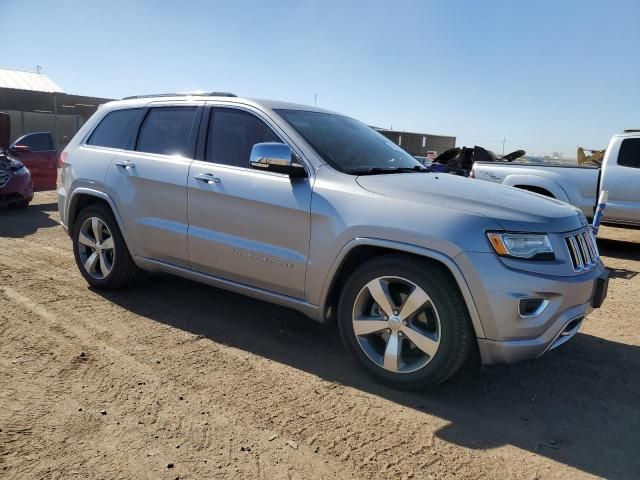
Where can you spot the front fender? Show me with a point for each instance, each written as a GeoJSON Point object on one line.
{"type": "Point", "coordinates": [406, 248]}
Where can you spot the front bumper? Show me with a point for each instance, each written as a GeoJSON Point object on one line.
{"type": "Point", "coordinates": [19, 188]}
{"type": "Point", "coordinates": [497, 290]}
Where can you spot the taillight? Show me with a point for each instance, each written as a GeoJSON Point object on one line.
{"type": "Point", "coordinates": [62, 159]}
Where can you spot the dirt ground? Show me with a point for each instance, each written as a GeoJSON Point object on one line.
{"type": "Point", "coordinates": [172, 379]}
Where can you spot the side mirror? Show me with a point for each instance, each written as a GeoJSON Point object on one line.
{"type": "Point", "coordinates": [275, 157]}
{"type": "Point", "coordinates": [20, 149]}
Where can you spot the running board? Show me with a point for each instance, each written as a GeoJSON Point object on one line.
{"type": "Point", "coordinates": [311, 311]}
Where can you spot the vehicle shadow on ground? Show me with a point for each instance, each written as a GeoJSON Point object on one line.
{"type": "Point", "coordinates": [577, 405]}
{"type": "Point", "coordinates": [21, 223]}
{"type": "Point", "coordinates": [619, 249]}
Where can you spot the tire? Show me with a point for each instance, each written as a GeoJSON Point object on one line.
{"type": "Point", "coordinates": [111, 268]}
{"type": "Point", "coordinates": [21, 205]}
{"type": "Point", "coordinates": [441, 326]}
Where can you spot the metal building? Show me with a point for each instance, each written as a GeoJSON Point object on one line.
{"type": "Point", "coordinates": [36, 104]}
{"type": "Point", "coordinates": [419, 144]}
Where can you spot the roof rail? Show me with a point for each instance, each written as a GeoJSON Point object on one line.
{"type": "Point", "coordinates": [183, 94]}
{"type": "Point", "coordinates": [632, 130]}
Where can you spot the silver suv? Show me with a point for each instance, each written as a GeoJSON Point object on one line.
{"type": "Point", "coordinates": [316, 211]}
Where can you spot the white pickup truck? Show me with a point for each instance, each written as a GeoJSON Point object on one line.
{"type": "Point", "coordinates": [581, 186]}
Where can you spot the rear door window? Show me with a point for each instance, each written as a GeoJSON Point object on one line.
{"type": "Point", "coordinates": [232, 135]}
{"type": "Point", "coordinates": [37, 142]}
{"type": "Point", "coordinates": [116, 128]}
{"type": "Point", "coordinates": [167, 131]}
{"type": "Point", "coordinates": [629, 155]}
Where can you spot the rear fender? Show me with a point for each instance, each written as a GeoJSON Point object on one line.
{"type": "Point", "coordinates": [72, 205]}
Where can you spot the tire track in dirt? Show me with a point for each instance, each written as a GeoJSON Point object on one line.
{"type": "Point", "coordinates": [107, 373]}
{"type": "Point", "coordinates": [235, 393]}
{"type": "Point", "coordinates": [350, 443]}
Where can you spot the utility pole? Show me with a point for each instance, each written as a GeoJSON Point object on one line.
{"type": "Point", "coordinates": [503, 142]}
{"type": "Point", "coordinates": [55, 123]}
{"type": "Point", "coordinates": [315, 100]}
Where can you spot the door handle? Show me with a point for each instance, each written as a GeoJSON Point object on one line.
{"type": "Point", "coordinates": [207, 177]}
{"type": "Point", "coordinates": [125, 163]}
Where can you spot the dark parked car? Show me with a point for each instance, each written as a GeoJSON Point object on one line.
{"type": "Point", "coordinates": [37, 152]}
{"type": "Point", "coordinates": [16, 187]}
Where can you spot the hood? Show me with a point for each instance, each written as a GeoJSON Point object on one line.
{"type": "Point", "coordinates": [9, 163]}
{"type": "Point", "coordinates": [510, 157]}
{"type": "Point", "coordinates": [5, 162]}
{"type": "Point", "coordinates": [512, 208]}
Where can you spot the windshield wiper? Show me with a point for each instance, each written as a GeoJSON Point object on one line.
{"type": "Point", "coordinates": [417, 168]}
{"type": "Point", "coordinates": [384, 170]}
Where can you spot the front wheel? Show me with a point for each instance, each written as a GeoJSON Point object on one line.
{"type": "Point", "coordinates": [405, 321]}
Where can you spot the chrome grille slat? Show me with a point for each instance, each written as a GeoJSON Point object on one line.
{"type": "Point", "coordinates": [583, 250]}
{"type": "Point", "coordinates": [592, 238]}
{"type": "Point", "coordinates": [587, 241]}
{"type": "Point", "coordinates": [576, 258]}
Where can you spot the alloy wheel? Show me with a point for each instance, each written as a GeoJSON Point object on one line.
{"type": "Point", "coordinates": [396, 324]}
{"type": "Point", "coordinates": [96, 248]}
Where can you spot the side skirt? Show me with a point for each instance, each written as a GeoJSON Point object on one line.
{"type": "Point", "coordinates": [311, 311]}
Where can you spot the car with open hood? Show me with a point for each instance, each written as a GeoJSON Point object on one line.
{"type": "Point", "coordinates": [16, 186]}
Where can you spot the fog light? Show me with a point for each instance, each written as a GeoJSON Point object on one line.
{"type": "Point", "coordinates": [532, 307]}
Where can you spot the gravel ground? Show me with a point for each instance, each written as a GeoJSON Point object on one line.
{"type": "Point", "coordinates": [172, 379]}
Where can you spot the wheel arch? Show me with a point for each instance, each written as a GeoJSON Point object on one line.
{"type": "Point", "coordinates": [537, 184]}
{"type": "Point", "coordinates": [535, 189]}
{"type": "Point", "coordinates": [360, 250]}
{"type": "Point", "coordinates": [83, 197]}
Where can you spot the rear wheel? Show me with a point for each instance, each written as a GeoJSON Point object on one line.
{"type": "Point", "coordinates": [100, 251]}
{"type": "Point", "coordinates": [405, 321]}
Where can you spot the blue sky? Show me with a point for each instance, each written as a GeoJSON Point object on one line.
{"type": "Point", "coordinates": [547, 75]}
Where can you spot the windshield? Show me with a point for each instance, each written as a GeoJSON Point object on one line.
{"type": "Point", "coordinates": [348, 145]}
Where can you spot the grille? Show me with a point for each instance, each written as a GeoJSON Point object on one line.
{"type": "Point", "coordinates": [4, 178]}
{"type": "Point", "coordinates": [583, 250]}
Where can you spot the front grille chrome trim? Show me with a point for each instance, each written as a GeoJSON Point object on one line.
{"type": "Point", "coordinates": [583, 250]}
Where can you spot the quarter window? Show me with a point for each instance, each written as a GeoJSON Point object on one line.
{"type": "Point", "coordinates": [167, 131]}
{"type": "Point", "coordinates": [115, 128]}
{"type": "Point", "coordinates": [629, 155]}
{"type": "Point", "coordinates": [232, 135]}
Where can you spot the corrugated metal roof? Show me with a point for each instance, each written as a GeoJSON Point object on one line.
{"type": "Point", "coordinates": [37, 82]}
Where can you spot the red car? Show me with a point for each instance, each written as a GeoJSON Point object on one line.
{"type": "Point", "coordinates": [37, 152]}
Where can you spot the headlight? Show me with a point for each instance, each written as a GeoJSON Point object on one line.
{"type": "Point", "coordinates": [522, 245]}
